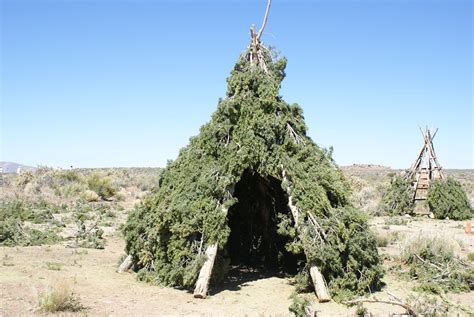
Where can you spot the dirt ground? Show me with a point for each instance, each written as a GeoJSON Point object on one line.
{"type": "Point", "coordinates": [25, 275]}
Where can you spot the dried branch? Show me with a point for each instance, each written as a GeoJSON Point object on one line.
{"type": "Point", "coordinates": [427, 262]}
{"type": "Point", "coordinates": [448, 302]}
{"type": "Point", "coordinates": [298, 139]}
{"type": "Point", "coordinates": [264, 20]}
{"type": "Point", "coordinates": [410, 310]}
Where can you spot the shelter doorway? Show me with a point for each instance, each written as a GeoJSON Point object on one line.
{"type": "Point", "coordinates": [254, 241]}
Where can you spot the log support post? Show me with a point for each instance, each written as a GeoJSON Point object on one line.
{"type": "Point", "coordinates": [202, 283]}
{"type": "Point", "coordinates": [126, 265]}
{"type": "Point", "coordinates": [319, 283]}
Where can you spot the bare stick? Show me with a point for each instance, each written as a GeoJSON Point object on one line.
{"type": "Point", "coordinates": [264, 20]}
{"type": "Point", "coordinates": [407, 307]}
{"type": "Point", "coordinates": [426, 262]}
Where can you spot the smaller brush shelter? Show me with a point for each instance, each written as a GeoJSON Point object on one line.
{"type": "Point", "coordinates": [425, 169]}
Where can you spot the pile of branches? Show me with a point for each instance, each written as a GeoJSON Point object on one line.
{"type": "Point", "coordinates": [19, 220]}
{"type": "Point", "coordinates": [414, 306]}
{"type": "Point", "coordinates": [398, 198]}
{"type": "Point", "coordinates": [447, 199]}
{"type": "Point", "coordinates": [433, 264]}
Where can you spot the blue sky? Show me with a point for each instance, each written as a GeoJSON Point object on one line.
{"type": "Point", "coordinates": [126, 83]}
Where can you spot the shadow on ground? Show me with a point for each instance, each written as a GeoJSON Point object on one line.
{"type": "Point", "coordinates": [240, 276]}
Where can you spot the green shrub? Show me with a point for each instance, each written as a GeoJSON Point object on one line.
{"type": "Point", "coordinates": [470, 256]}
{"type": "Point", "coordinates": [398, 198]}
{"type": "Point", "coordinates": [102, 186]}
{"type": "Point", "coordinates": [302, 282]}
{"type": "Point", "coordinates": [299, 305]}
{"type": "Point", "coordinates": [72, 190]}
{"type": "Point", "coordinates": [447, 199]}
{"type": "Point", "coordinates": [11, 233]}
{"type": "Point", "coordinates": [91, 238]}
{"type": "Point", "coordinates": [69, 176]}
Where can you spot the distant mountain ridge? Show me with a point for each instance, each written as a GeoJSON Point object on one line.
{"type": "Point", "coordinates": [11, 167]}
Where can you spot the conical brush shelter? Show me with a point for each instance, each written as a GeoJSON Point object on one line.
{"type": "Point", "coordinates": [253, 189]}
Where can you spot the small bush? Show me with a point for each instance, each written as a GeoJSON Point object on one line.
{"type": "Point", "coordinates": [54, 266]}
{"type": "Point", "coordinates": [382, 240]}
{"type": "Point", "coordinates": [396, 221]}
{"type": "Point", "coordinates": [102, 186]}
{"type": "Point", "coordinates": [302, 282]}
{"type": "Point", "coordinates": [398, 199]}
{"type": "Point", "coordinates": [60, 299]}
{"type": "Point", "coordinates": [69, 176]}
{"type": "Point", "coordinates": [11, 233]}
{"type": "Point", "coordinates": [90, 196]}
{"type": "Point", "coordinates": [470, 256]}
{"type": "Point", "coordinates": [24, 178]}
{"type": "Point", "coordinates": [299, 305]}
{"type": "Point", "coordinates": [361, 311]}
{"type": "Point", "coordinates": [71, 190]}
{"type": "Point", "coordinates": [91, 238]}
{"type": "Point", "coordinates": [447, 199]}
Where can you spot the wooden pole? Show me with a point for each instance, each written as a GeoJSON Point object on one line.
{"type": "Point", "coordinates": [126, 265]}
{"type": "Point", "coordinates": [264, 20]}
{"type": "Point", "coordinates": [202, 283]}
{"type": "Point", "coordinates": [320, 286]}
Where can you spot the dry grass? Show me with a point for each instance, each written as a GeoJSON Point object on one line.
{"type": "Point", "coordinates": [386, 238]}
{"type": "Point", "coordinates": [60, 299]}
{"type": "Point", "coordinates": [427, 245]}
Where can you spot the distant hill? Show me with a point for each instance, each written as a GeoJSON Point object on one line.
{"type": "Point", "coordinates": [10, 167]}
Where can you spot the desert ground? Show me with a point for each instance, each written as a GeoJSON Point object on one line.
{"type": "Point", "coordinates": [78, 263]}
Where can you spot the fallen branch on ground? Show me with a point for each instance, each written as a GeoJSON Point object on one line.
{"type": "Point", "coordinates": [395, 302]}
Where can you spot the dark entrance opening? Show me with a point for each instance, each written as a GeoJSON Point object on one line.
{"type": "Point", "coordinates": [254, 241]}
